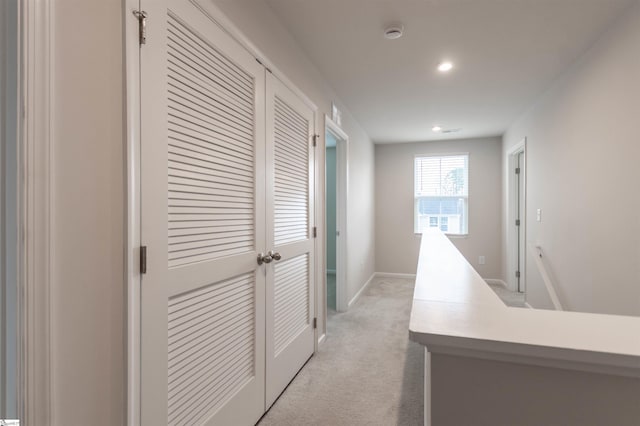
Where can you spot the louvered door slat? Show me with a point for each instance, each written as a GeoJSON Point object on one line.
{"type": "Point", "coordinates": [203, 208]}
{"type": "Point", "coordinates": [194, 328]}
{"type": "Point", "coordinates": [191, 56]}
{"type": "Point", "coordinates": [211, 128]}
{"type": "Point", "coordinates": [203, 89]}
{"type": "Point", "coordinates": [291, 170]}
{"type": "Point", "coordinates": [184, 102]}
{"type": "Point", "coordinates": [181, 257]}
{"type": "Point", "coordinates": [291, 301]}
{"type": "Point", "coordinates": [188, 92]}
{"type": "Point", "coordinates": [190, 139]}
{"type": "Point", "coordinates": [212, 55]}
{"type": "Point", "coordinates": [290, 115]}
{"type": "Point", "coordinates": [187, 149]}
{"type": "Point", "coordinates": [288, 134]}
{"type": "Point", "coordinates": [190, 225]}
{"type": "Point", "coordinates": [185, 368]}
{"type": "Point", "coordinates": [179, 234]}
{"type": "Point", "coordinates": [184, 184]}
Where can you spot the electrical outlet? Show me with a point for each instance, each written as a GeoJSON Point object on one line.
{"type": "Point", "coordinates": [481, 260]}
{"type": "Point", "coordinates": [539, 215]}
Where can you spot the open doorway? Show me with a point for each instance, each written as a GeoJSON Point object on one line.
{"type": "Point", "coordinates": [336, 216]}
{"type": "Point", "coordinates": [516, 226]}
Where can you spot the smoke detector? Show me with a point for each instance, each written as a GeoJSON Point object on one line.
{"type": "Point", "coordinates": [393, 31]}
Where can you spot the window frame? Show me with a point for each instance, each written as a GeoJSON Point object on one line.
{"type": "Point", "coordinates": [468, 196]}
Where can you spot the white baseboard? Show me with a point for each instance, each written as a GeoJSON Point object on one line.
{"type": "Point", "coordinates": [497, 282]}
{"type": "Point", "coordinates": [322, 339]}
{"type": "Point", "coordinates": [395, 275]}
{"type": "Point", "coordinates": [331, 271]}
{"type": "Point", "coordinates": [362, 289]}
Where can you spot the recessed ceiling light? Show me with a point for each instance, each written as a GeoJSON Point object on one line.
{"type": "Point", "coordinates": [445, 66]}
{"type": "Point", "coordinates": [436, 129]}
{"type": "Point", "coordinates": [393, 31]}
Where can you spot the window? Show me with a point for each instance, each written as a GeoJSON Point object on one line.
{"type": "Point", "coordinates": [441, 193]}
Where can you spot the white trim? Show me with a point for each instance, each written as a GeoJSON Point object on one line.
{"type": "Point", "coordinates": [395, 275]}
{"type": "Point", "coordinates": [333, 127]}
{"type": "Point", "coordinates": [427, 387]}
{"type": "Point", "coordinates": [35, 192]}
{"type": "Point", "coordinates": [322, 338]}
{"type": "Point", "coordinates": [536, 252]}
{"type": "Point", "coordinates": [511, 236]}
{"type": "Point", "coordinates": [492, 281]}
{"type": "Point", "coordinates": [342, 201]}
{"type": "Point", "coordinates": [362, 289]}
{"type": "Point", "coordinates": [132, 202]}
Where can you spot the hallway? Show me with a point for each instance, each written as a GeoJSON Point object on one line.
{"type": "Point", "coordinates": [367, 372]}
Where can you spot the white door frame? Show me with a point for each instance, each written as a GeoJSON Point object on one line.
{"type": "Point", "coordinates": [34, 212]}
{"type": "Point", "coordinates": [511, 232]}
{"type": "Point", "coordinates": [342, 181]}
{"type": "Point", "coordinates": [133, 201]}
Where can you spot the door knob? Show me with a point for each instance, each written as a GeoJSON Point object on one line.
{"type": "Point", "coordinates": [274, 255]}
{"type": "Point", "coordinates": [264, 259]}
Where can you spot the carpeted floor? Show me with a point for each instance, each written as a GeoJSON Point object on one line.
{"type": "Point", "coordinates": [510, 298]}
{"type": "Point", "coordinates": [367, 372]}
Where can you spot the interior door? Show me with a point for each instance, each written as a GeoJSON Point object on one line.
{"type": "Point", "coordinates": [521, 228]}
{"type": "Point", "coordinates": [203, 207]}
{"type": "Point", "coordinates": [290, 195]}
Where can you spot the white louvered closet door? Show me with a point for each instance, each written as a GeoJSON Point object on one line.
{"type": "Point", "coordinates": [203, 209]}
{"type": "Point", "coordinates": [290, 302]}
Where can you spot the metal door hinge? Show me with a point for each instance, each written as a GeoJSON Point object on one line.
{"type": "Point", "coordinates": [517, 170]}
{"type": "Point", "coordinates": [315, 140]}
{"type": "Point", "coordinates": [315, 323]}
{"type": "Point", "coordinates": [517, 274]}
{"type": "Point", "coordinates": [142, 25]}
{"type": "Point", "coordinates": [517, 222]}
{"type": "Point", "coordinates": [315, 232]}
{"type": "Point", "coordinates": [143, 259]}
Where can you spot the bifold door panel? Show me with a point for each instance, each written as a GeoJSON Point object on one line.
{"type": "Point", "coordinates": [216, 191]}
{"type": "Point", "coordinates": [290, 331]}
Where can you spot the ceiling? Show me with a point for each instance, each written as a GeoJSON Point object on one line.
{"type": "Point", "coordinates": [506, 53]}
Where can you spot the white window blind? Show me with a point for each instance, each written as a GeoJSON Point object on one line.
{"type": "Point", "coordinates": [441, 193]}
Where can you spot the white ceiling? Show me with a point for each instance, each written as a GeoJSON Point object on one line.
{"type": "Point", "coordinates": [506, 53]}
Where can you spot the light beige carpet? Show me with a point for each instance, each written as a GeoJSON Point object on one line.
{"type": "Point", "coordinates": [508, 297]}
{"type": "Point", "coordinates": [367, 372]}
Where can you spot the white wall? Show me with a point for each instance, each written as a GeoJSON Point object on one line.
{"type": "Point", "coordinates": [87, 283]}
{"type": "Point", "coordinates": [330, 185]}
{"type": "Point", "coordinates": [506, 393]}
{"type": "Point", "coordinates": [258, 22]}
{"type": "Point", "coordinates": [8, 203]}
{"type": "Point", "coordinates": [397, 246]}
{"type": "Point", "coordinates": [583, 149]}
